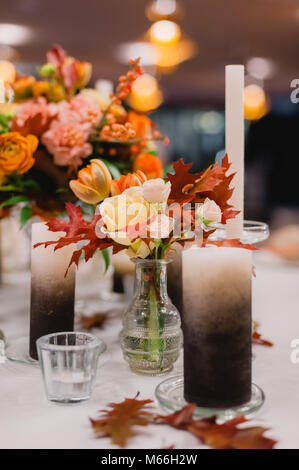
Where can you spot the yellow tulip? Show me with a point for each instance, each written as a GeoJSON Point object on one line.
{"type": "Point", "coordinates": [93, 182]}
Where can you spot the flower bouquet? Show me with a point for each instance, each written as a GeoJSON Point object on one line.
{"type": "Point", "coordinates": [55, 126]}
{"type": "Point", "coordinates": [145, 218]}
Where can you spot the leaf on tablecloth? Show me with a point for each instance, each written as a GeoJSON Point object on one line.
{"type": "Point", "coordinates": [257, 337]}
{"type": "Point", "coordinates": [219, 436]}
{"type": "Point", "coordinates": [232, 242]}
{"type": "Point", "coordinates": [118, 423]}
{"type": "Point", "coordinates": [97, 319]}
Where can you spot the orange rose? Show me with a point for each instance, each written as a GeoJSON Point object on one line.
{"type": "Point", "coordinates": [141, 124]}
{"type": "Point", "coordinates": [127, 181]}
{"type": "Point", "coordinates": [149, 164]}
{"type": "Point", "coordinates": [16, 153]}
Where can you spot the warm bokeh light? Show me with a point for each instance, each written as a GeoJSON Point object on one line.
{"type": "Point", "coordinates": [165, 32]}
{"type": "Point", "coordinates": [145, 94]}
{"type": "Point", "coordinates": [14, 34]}
{"type": "Point", "coordinates": [7, 71]}
{"type": "Point", "coordinates": [172, 55]}
{"type": "Point", "coordinates": [255, 102]}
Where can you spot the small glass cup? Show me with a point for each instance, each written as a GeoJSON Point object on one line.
{"type": "Point", "coordinates": [68, 362]}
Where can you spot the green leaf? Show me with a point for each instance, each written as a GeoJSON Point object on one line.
{"type": "Point", "coordinates": [152, 152]}
{"type": "Point", "coordinates": [61, 190]}
{"type": "Point", "coordinates": [112, 168]}
{"type": "Point", "coordinates": [105, 254]}
{"type": "Point", "coordinates": [14, 200]}
{"type": "Point", "coordinates": [30, 184]}
{"type": "Point", "coordinates": [25, 215]}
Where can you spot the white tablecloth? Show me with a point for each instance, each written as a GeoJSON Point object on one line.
{"type": "Point", "coordinates": [28, 420]}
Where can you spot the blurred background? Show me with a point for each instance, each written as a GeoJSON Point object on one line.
{"type": "Point", "coordinates": [184, 47]}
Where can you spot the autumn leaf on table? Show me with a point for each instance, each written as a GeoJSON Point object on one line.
{"type": "Point", "coordinates": [77, 229]}
{"type": "Point", "coordinates": [232, 242]}
{"type": "Point", "coordinates": [219, 436]}
{"type": "Point", "coordinates": [257, 337]}
{"type": "Point", "coordinates": [119, 422]}
{"type": "Point", "coordinates": [97, 319]}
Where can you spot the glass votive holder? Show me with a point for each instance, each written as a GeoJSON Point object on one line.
{"type": "Point", "coordinates": [68, 363]}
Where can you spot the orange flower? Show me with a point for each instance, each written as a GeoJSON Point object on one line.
{"type": "Point", "coordinates": [150, 165]}
{"type": "Point", "coordinates": [141, 124]}
{"type": "Point", "coordinates": [93, 183]}
{"type": "Point", "coordinates": [127, 181]}
{"type": "Point", "coordinates": [16, 153]}
{"type": "Point", "coordinates": [23, 87]}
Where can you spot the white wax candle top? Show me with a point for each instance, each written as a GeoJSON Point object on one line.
{"type": "Point", "coordinates": [234, 142]}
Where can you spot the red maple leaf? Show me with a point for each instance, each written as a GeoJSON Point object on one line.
{"type": "Point", "coordinates": [232, 242]}
{"type": "Point", "coordinates": [180, 181]}
{"type": "Point", "coordinates": [77, 229]}
{"type": "Point", "coordinates": [119, 422]}
{"type": "Point", "coordinates": [215, 184]}
{"type": "Point", "coordinates": [219, 436]}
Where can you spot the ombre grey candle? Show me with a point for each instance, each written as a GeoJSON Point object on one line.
{"type": "Point", "coordinates": [52, 294]}
{"type": "Point", "coordinates": [217, 326]}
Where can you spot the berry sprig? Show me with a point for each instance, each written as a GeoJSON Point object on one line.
{"type": "Point", "coordinates": [125, 82]}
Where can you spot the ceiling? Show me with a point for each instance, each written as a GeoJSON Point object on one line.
{"type": "Point", "coordinates": [226, 31]}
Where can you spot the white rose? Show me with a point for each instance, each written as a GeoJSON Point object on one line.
{"type": "Point", "coordinates": [210, 211]}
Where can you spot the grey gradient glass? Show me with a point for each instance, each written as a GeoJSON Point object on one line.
{"type": "Point", "coordinates": [68, 363]}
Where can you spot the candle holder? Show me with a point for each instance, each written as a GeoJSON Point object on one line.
{"type": "Point", "coordinates": [217, 335]}
{"type": "Point", "coordinates": [170, 395]}
{"type": "Point", "coordinates": [253, 232]}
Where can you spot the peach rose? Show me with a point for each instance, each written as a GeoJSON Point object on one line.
{"type": "Point", "coordinates": [124, 211]}
{"type": "Point", "coordinates": [16, 153]}
{"type": "Point", "coordinates": [156, 190]}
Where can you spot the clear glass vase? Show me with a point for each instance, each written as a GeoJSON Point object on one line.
{"type": "Point", "coordinates": [151, 337]}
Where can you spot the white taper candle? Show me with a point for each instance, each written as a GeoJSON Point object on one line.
{"type": "Point", "coordinates": [234, 142]}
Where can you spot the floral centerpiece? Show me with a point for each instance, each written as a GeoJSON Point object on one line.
{"type": "Point", "coordinates": [145, 218]}
{"type": "Point", "coordinates": [56, 125]}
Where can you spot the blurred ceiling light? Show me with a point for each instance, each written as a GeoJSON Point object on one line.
{"type": "Point", "coordinates": [7, 71]}
{"type": "Point", "coordinates": [165, 32]}
{"type": "Point", "coordinates": [146, 94]}
{"type": "Point", "coordinates": [164, 9]}
{"type": "Point", "coordinates": [146, 51]}
{"type": "Point", "coordinates": [255, 102]}
{"type": "Point", "coordinates": [168, 57]}
{"type": "Point", "coordinates": [14, 34]}
{"type": "Point", "coordinates": [260, 68]}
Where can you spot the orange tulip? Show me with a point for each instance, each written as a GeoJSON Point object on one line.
{"type": "Point", "coordinates": [16, 153]}
{"type": "Point", "coordinates": [127, 181]}
{"type": "Point", "coordinates": [93, 183]}
{"type": "Point", "coordinates": [149, 164]}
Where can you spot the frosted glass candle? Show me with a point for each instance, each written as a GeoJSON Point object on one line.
{"type": "Point", "coordinates": [234, 142]}
{"type": "Point", "coordinates": [52, 294]}
{"type": "Point", "coordinates": [217, 326]}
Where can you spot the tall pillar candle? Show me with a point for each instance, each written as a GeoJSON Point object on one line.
{"type": "Point", "coordinates": [234, 142]}
{"type": "Point", "coordinates": [52, 294]}
{"type": "Point", "coordinates": [217, 326]}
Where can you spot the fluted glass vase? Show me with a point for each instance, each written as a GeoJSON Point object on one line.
{"type": "Point", "coordinates": [151, 337]}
